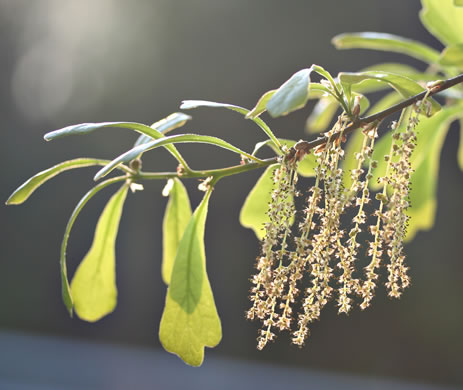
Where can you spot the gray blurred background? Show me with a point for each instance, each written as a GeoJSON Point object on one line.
{"type": "Point", "coordinates": [67, 62]}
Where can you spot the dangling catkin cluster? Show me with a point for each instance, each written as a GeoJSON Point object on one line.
{"type": "Point", "coordinates": [318, 262]}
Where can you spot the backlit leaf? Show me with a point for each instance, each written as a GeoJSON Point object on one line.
{"type": "Point", "coordinates": [452, 56]}
{"type": "Point", "coordinates": [65, 288]}
{"type": "Point", "coordinates": [386, 42]}
{"type": "Point", "coordinates": [190, 321]}
{"type": "Point", "coordinates": [443, 20]}
{"type": "Point", "coordinates": [22, 193]}
{"type": "Point", "coordinates": [253, 214]}
{"type": "Point", "coordinates": [403, 85]}
{"type": "Point", "coordinates": [171, 122]}
{"type": "Point", "coordinates": [176, 218]}
{"type": "Point", "coordinates": [292, 95]}
{"type": "Point", "coordinates": [93, 286]}
{"type": "Point", "coordinates": [261, 105]}
{"type": "Point", "coordinates": [166, 141]}
{"type": "Point", "coordinates": [321, 115]}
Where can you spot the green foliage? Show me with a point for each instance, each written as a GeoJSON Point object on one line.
{"type": "Point", "coordinates": [190, 321]}
{"type": "Point", "coordinates": [176, 218]}
{"type": "Point", "coordinates": [93, 286]}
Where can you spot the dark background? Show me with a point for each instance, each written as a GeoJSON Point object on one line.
{"type": "Point", "coordinates": [67, 62]}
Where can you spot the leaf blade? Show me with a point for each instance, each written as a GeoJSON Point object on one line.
{"type": "Point", "coordinates": [292, 95]}
{"type": "Point", "coordinates": [176, 218]}
{"type": "Point", "coordinates": [93, 286]}
{"type": "Point", "coordinates": [25, 190]}
{"type": "Point", "coordinates": [386, 42]}
{"type": "Point", "coordinates": [190, 321]}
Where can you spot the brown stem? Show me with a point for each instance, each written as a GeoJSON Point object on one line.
{"type": "Point", "coordinates": [378, 117]}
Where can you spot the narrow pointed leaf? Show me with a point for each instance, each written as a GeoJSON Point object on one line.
{"type": "Point", "coordinates": [386, 42]}
{"type": "Point", "coordinates": [176, 218]}
{"type": "Point", "coordinates": [443, 20]}
{"type": "Point", "coordinates": [22, 193]}
{"type": "Point", "coordinates": [166, 141]}
{"type": "Point", "coordinates": [292, 95]}
{"type": "Point", "coordinates": [253, 214]}
{"type": "Point", "coordinates": [65, 288]}
{"type": "Point", "coordinates": [403, 85]}
{"type": "Point", "coordinates": [452, 56]}
{"type": "Point", "coordinates": [93, 287]}
{"type": "Point", "coordinates": [189, 104]}
{"type": "Point", "coordinates": [85, 128]}
{"type": "Point", "coordinates": [190, 321]}
{"type": "Point", "coordinates": [171, 122]}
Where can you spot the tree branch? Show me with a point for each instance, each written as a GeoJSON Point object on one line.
{"type": "Point", "coordinates": [361, 122]}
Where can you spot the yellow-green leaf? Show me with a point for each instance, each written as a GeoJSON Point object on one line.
{"type": "Point", "coordinates": [321, 115]}
{"type": "Point", "coordinates": [458, 3]}
{"type": "Point", "coordinates": [443, 20]}
{"type": "Point", "coordinates": [22, 193]}
{"type": "Point", "coordinates": [452, 56]}
{"type": "Point", "coordinates": [261, 104]}
{"type": "Point", "coordinates": [190, 321]}
{"type": "Point", "coordinates": [93, 287]}
{"type": "Point", "coordinates": [176, 218]}
{"type": "Point", "coordinates": [386, 42]}
{"type": "Point", "coordinates": [253, 214]}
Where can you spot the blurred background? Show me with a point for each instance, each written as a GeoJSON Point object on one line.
{"type": "Point", "coordinates": [67, 62]}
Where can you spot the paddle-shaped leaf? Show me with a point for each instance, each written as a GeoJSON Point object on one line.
{"type": "Point", "coordinates": [22, 193]}
{"type": "Point", "coordinates": [65, 288]}
{"type": "Point", "coordinates": [176, 218]}
{"type": "Point", "coordinates": [190, 321]}
{"type": "Point", "coordinates": [171, 122]}
{"type": "Point", "coordinates": [443, 20]}
{"type": "Point", "coordinates": [386, 42]}
{"type": "Point", "coordinates": [403, 85]}
{"type": "Point", "coordinates": [93, 286]}
{"type": "Point", "coordinates": [166, 141]}
{"type": "Point", "coordinates": [292, 95]}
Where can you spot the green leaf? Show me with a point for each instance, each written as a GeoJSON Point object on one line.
{"type": "Point", "coordinates": [292, 95]}
{"type": "Point", "coordinates": [190, 321]}
{"type": "Point", "coordinates": [443, 20]}
{"type": "Point", "coordinates": [171, 122]}
{"type": "Point", "coordinates": [261, 105]}
{"type": "Point", "coordinates": [321, 115]}
{"type": "Point", "coordinates": [23, 192]}
{"type": "Point", "coordinates": [458, 3]}
{"type": "Point", "coordinates": [403, 85]}
{"type": "Point", "coordinates": [85, 128]}
{"type": "Point", "coordinates": [65, 288]}
{"type": "Point", "coordinates": [189, 104]}
{"type": "Point", "coordinates": [386, 42]}
{"type": "Point", "coordinates": [93, 286]}
{"type": "Point", "coordinates": [182, 138]}
{"type": "Point", "coordinates": [253, 214]}
{"type": "Point", "coordinates": [452, 56]}
{"type": "Point", "coordinates": [176, 218]}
